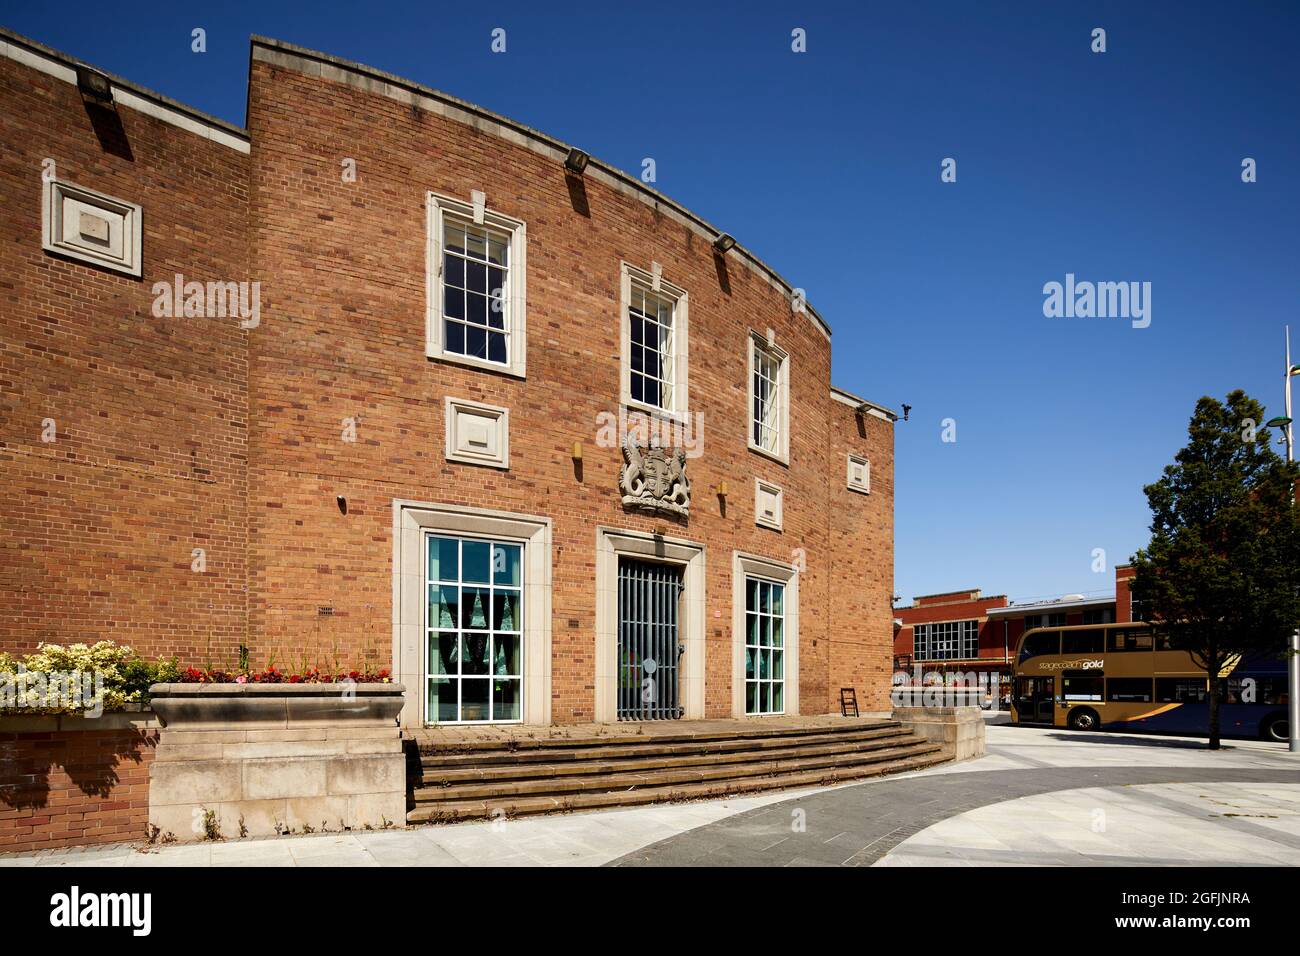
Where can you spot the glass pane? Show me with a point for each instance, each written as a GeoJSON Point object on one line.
{"type": "Point", "coordinates": [778, 670]}
{"type": "Point", "coordinates": [751, 595]}
{"type": "Point", "coordinates": [765, 597]}
{"type": "Point", "coordinates": [474, 699]}
{"type": "Point", "coordinates": [476, 277]}
{"type": "Point", "coordinates": [455, 334]}
{"type": "Point", "coordinates": [505, 699]}
{"type": "Point", "coordinates": [764, 665]}
{"type": "Point", "coordinates": [765, 698]}
{"type": "Point", "coordinates": [778, 598]}
{"type": "Point", "coordinates": [497, 249]}
{"type": "Point", "coordinates": [442, 699]}
{"type": "Point", "coordinates": [496, 347]}
{"type": "Point", "coordinates": [453, 302]}
{"type": "Point", "coordinates": [476, 555]}
{"type": "Point", "coordinates": [442, 605]}
{"type": "Point", "coordinates": [749, 663]}
{"type": "Point", "coordinates": [505, 611]}
{"type": "Point", "coordinates": [778, 632]}
{"type": "Point", "coordinates": [476, 341]}
{"type": "Point", "coordinates": [474, 608]}
{"type": "Point", "coordinates": [751, 697]}
{"type": "Point", "coordinates": [751, 628]}
{"type": "Point", "coordinates": [764, 632]}
{"type": "Point", "coordinates": [475, 245]}
{"type": "Point", "coordinates": [442, 559]}
{"type": "Point", "coordinates": [454, 271]}
{"type": "Point", "coordinates": [505, 564]}
{"type": "Point", "coordinates": [778, 698]}
{"type": "Point", "coordinates": [442, 654]}
{"type": "Point", "coordinates": [505, 654]}
{"type": "Point", "coordinates": [474, 653]}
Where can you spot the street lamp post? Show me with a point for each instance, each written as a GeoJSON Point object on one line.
{"type": "Point", "coordinates": [1293, 660]}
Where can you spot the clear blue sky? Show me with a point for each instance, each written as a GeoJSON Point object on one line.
{"type": "Point", "coordinates": [1123, 166]}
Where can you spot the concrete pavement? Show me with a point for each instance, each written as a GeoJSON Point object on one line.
{"type": "Point", "coordinates": [1040, 796]}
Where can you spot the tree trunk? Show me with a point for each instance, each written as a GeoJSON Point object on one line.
{"type": "Point", "coordinates": [1215, 690]}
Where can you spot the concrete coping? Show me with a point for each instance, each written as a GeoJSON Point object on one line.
{"type": "Point", "coordinates": [134, 719]}
{"type": "Point", "coordinates": [275, 690]}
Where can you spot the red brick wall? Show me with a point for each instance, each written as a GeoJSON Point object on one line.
{"type": "Point", "coordinates": [184, 433]}
{"type": "Point", "coordinates": [861, 578]}
{"type": "Point", "coordinates": [343, 265]}
{"type": "Point", "coordinates": [63, 788]}
{"type": "Point", "coordinates": [97, 528]}
{"type": "Point", "coordinates": [954, 606]}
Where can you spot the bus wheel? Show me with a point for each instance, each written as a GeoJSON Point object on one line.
{"type": "Point", "coordinates": [1085, 718]}
{"type": "Point", "coordinates": [1275, 728]}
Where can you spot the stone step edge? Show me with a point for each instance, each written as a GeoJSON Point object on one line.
{"type": "Point", "coordinates": [532, 743]}
{"type": "Point", "coordinates": [610, 749]}
{"type": "Point", "coordinates": [440, 775]}
{"type": "Point", "coordinates": [478, 810]}
{"type": "Point", "coordinates": [620, 783]}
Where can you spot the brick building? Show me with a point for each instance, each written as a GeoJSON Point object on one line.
{"type": "Point", "coordinates": [965, 631]}
{"type": "Point", "coordinates": [355, 384]}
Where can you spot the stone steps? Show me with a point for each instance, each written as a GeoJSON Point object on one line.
{"type": "Point", "coordinates": [461, 779]}
{"type": "Point", "coordinates": [511, 806]}
{"type": "Point", "coordinates": [612, 761]}
{"type": "Point", "coordinates": [483, 753]}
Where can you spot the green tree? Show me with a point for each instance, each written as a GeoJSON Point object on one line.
{"type": "Point", "coordinates": [1221, 576]}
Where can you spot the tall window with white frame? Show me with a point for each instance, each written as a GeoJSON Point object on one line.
{"type": "Point", "coordinates": [764, 646]}
{"type": "Point", "coordinates": [767, 400]}
{"type": "Point", "coordinates": [476, 291]}
{"type": "Point", "coordinates": [653, 359]}
{"type": "Point", "coordinates": [474, 630]}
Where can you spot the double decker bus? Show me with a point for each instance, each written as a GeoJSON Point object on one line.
{"type": "Point", "coordinates": [1119, 677]}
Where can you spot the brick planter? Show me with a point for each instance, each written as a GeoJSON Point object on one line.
{"type": "Point", "coordinates": [259, 759]}
{"type": "Point", "coordinates": [70, 781]}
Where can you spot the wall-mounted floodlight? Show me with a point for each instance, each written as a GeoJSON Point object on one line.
{"type": "Point", "coordinates": [94, 86]}
{"type": "Point", "coordinates": [724, 243]}
{"type": "Point", "coordinates": [576, 161]}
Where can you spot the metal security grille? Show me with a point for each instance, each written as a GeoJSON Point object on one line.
{"type": "Point", "coordinates": [649, 599]}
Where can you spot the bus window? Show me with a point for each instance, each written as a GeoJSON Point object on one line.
{"type": "Point", "coordinates": [1134, 689]}
{"type": "Point", "coordinates": [1265, 689]}
{"type": "Point", "coordinates": [1181, 690]}
{"type": "Point", "coordinates": [1131, 639]}
{"type": "Point", "coordinates": [1036, 645]}
{"type": "Point", "coordinates": [1083, 642]}
{"type": "Point", "coordinates": [1081, 688]}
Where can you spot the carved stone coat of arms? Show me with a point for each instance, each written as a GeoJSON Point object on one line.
{"type": "Point", "coordinates": [654, 479]}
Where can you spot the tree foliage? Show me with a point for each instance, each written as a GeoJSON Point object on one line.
{"type": "Point", "coordinates": [1221, 575]}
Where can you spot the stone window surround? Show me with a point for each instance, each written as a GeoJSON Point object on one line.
{"type": "Point", "coordinates": [865, 487]}
{"type": "Point", "coordinates": [413, 522]}
{"type": "Point", "coordinates": [437, 207]}
{"type": "Point", "coordinates": [611, 544]}
{"type": "Point", "coordinates": [680, 410]}
{"type": "Point", "coordinates": [744, 566]}
{"type": "Point", "coordinates": [768, 345]}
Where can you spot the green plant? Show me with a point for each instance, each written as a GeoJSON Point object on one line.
{"type": "Point", "coordinates": [211, 825]}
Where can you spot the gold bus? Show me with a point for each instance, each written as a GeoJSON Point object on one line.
{"type": "Point", "coordinates": [1117, 677]}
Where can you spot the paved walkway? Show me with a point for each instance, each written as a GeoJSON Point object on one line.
{"type": "Point", "coordinates": [1039, 796]}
